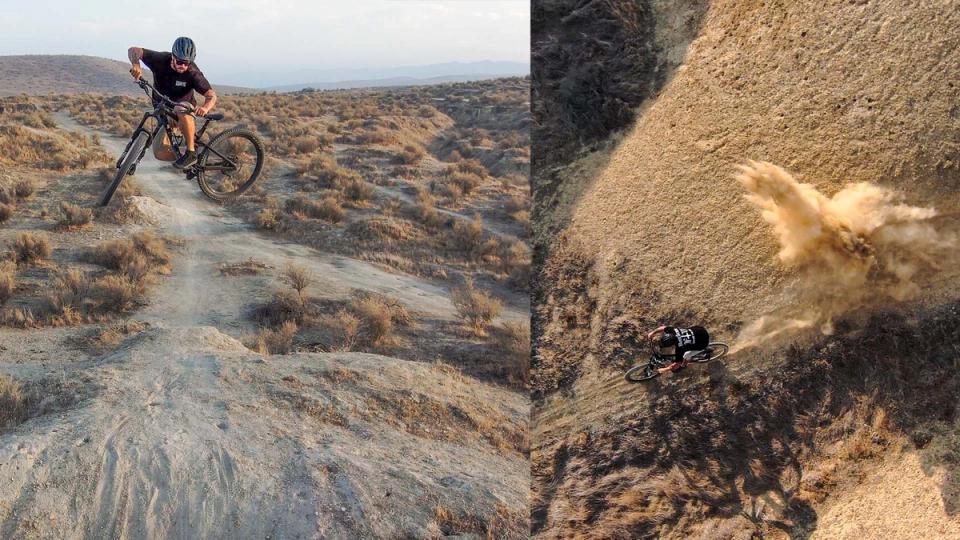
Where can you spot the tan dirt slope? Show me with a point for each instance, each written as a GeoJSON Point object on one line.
{"type": "Point", "coordinates": [847, 92]}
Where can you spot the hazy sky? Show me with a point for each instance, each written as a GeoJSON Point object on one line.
{"type": "Point", "coordinates": [239, 36]}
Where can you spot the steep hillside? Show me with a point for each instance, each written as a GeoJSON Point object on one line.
{"type": "Point", "coordinates": [849, 210]}
{"type": "Point", "coordinates": [69, 74]}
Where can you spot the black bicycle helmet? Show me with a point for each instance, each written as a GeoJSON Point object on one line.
{"type": "Point", "coordinates": [668, 339]}
{"type": "Point", "coordinates": [184, 49]}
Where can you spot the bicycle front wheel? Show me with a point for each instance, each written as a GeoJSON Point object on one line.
{"type": "Point", "coordinates": [134, 153]}
{"type": "Point", "coordinates": [230, 164]}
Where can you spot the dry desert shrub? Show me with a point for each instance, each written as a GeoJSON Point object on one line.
{"type": "Point", "coordinates": [283, 306]}
{"type": "Point", "coordinates": [376, 319]}
{"type": "Point", "coordinates": [328, 209]}
{"type": "Point", "coordinates": [13, 402]}
{"type": "Point", "coordinates": [73, 216]}
{"type": "Point", "coordinates": [461, 182]}
{"type": "Point", "coordinates": [269, 219]}
{"type": "Point", "coordinates": [513, 338]}
{"type": "Point", "coordinates": [476, 308]}
{"type": "Point", "coordinates": [111, 336]}
{"type": "Point", "coordinates": [8, 280]}
{"type": "Point", "coordinates": [426, 211]}
{"type": "Point", "coordinates": [344, 328]}
{"type": "Point", "coordinates": [381, 229]}
{"type": "Point", "coordinates": [30, 247]}
{"type": "Point", "coordinates": [277, 341]}
{"type": "Point", "coordinates": [24, 188]}
{"type": "Point", "coordinates": [136, 256]}
{"type": "Point", "coordinates": [298, 277]}
{"type": "Point", "coordinates": [467, 236]}
{"type": "Point", "coordinates": [115, 293]}
{"type": "Point", "coordinates": [411, 155]}
{"type": "Point", "coordinates": [357, 190]}
{"type": "Point", "coordinates": [471, 166]}
{"type": "Point", "coordinates": [17, 318]}
{"type": "Point", "coordinates": [6, 212]}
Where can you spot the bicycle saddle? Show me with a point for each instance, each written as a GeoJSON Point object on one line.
{"type": "Point", "coordinates": [214, 116]}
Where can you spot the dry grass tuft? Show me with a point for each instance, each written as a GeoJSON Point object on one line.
{"type": "Point", "coordinates": [298, 277]}
{"type": "Point", "coordinates": [249, 267]}
{"type": "Point", "coordinates": [357, 190]}
{"type": "Point", "coordinates": [8, 280]}
{"type": "Point", "coordinates": [17, 318]}
{"type": "Point", "coordinates": [328, 209]}
{"type": "Point", "coordinates": [278, 341]}
{"type": "Point", "coordinates": [73, 216]}
{"type": "Point", "coordinates": [467, 236]}
{"type": "Point", "coordinates": [141, 254]}
{"type": "Point", "coordinates": [13, 402]}
{"type": "Point", "coordinates": [31, 248]}
{"type": "Point", "coordinates": [344, 328]}
{"type": "Point", "coordinates": [24, 188]}
{"type": "Point", "coordinates": [376, 319]}
{"type": "Point", "coordinates": [476, 308]}
{"type": "Point", "coordinates": [513, 338]}
{"type": "Point", "coordinates": [108, 338]}
{"type": "Point", "coordinates": [283, 306]}
{"type": "Point", "coordinates": [6, 212]}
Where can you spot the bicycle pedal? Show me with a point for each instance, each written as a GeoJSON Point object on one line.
{"type": "Point", "coordinates": [191, 175]}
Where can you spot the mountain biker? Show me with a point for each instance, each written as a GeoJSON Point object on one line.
{"type": "Point", "coordinates": [176, 76]}
{"type": "Point", "coordinates": [681, 343]}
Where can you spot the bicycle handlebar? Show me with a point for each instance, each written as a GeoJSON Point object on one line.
{"type": "Point", "coordinates": [147, 87]}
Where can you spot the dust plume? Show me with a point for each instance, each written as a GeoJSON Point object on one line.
{"type": "Point", "coordinates": [861, 244]}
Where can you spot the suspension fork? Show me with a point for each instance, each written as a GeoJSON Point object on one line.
{"type": "Point", "coordinates": [150, 136]}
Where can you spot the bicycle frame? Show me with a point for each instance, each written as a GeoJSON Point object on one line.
{"type": "Point", "coordinates": [160, 114]}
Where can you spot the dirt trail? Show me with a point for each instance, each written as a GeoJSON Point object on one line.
{"type": "Point", "coordinates": [189, 434]}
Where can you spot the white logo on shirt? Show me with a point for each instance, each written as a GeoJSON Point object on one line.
{"type": "Point", "coordinates": [684, 336]}
{"type": "Point", "coordinates": [180, 83]}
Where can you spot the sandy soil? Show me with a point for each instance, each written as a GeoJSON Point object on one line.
{"type": "Point", "coordinates": [186, 433]}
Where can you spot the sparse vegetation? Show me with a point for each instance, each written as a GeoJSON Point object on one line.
{"type": "Point", "coordinates": [31, 248]}
{"type": "Point", "coordinates": [73, 216]}
{"type": "Point", "coordinates": [8, 280]}
{"type": "Point", "coordinates": [476, 308]}
{"type": "Point", "coordinates": [13, 402]}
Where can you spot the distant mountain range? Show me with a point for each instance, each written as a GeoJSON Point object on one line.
{"type": "Point", "coordinates": [69, 74]}
{"type": "Point", "coordinates": [55, 74]}
{"type": "Point", "coordinates": [319, 78]}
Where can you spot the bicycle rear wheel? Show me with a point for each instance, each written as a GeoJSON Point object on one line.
{"type": "Point", "coordinates": [712, 352]}
{"type": "Point", "coordinates": [133, 155]}
{"type": "Point", "coordinates": [643, 372]}
{"type": "Point", "coordinates": [230, 164]}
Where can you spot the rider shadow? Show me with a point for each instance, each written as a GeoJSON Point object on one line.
{"type": "Point", "coordinates": [730, 458]}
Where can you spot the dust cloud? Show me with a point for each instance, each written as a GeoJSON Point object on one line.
{"type": "Point", "coordinates": [859, 246]}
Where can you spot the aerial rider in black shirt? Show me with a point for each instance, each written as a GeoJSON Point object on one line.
{"type": "Point", "coordinates": [679, 343]}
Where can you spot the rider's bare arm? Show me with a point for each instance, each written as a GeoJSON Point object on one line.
{"type": "Point", "coordinates": [135, 54]}
{"type": "Point", "coordinates": [209, 102]}
{"type": "Point", "coordinates": [656, 331]}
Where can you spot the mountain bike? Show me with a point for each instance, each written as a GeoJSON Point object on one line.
{"type": "Point", "coordinates": [645, 372]}
{"type": "Point", "coordinates": [226, 166]}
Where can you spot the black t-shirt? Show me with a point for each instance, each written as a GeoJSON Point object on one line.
{"type": "Point", "coordinates": [176, 86]}
{"type": "Point", "coordinates": [694, 338]}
